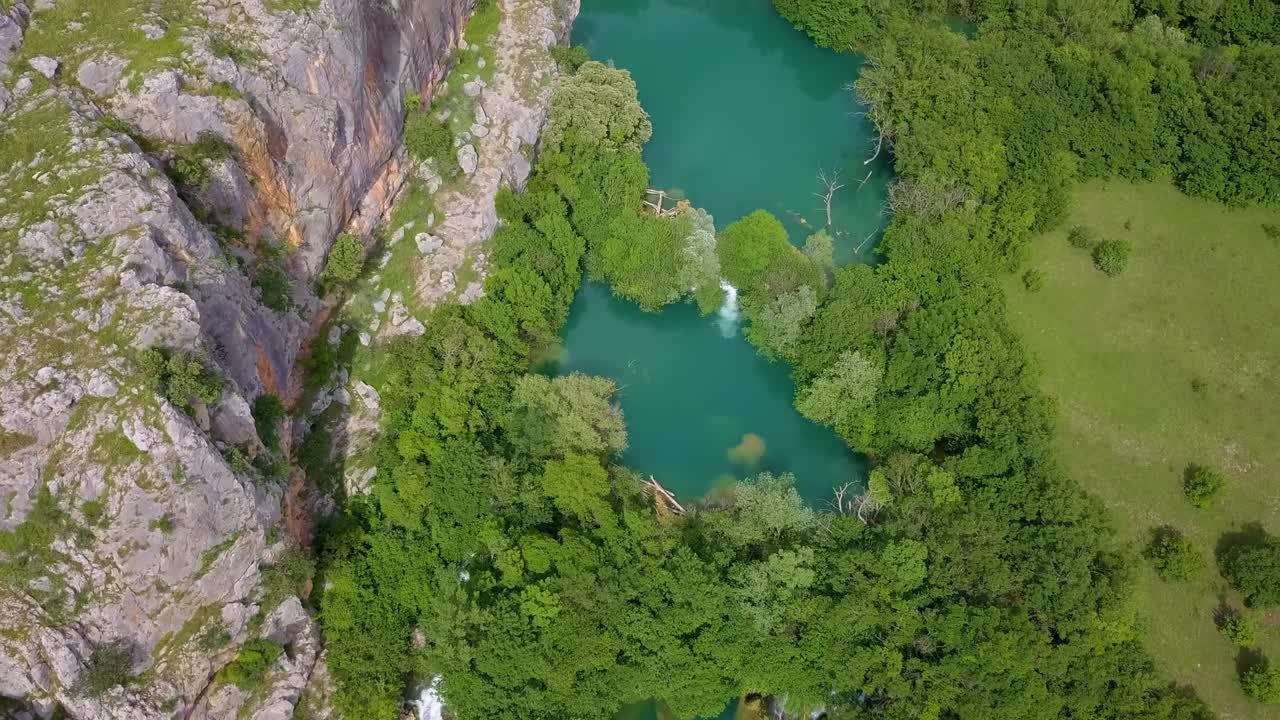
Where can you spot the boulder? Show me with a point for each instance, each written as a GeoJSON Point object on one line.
{"type": "Point", "coordinates": [468, 159]}
{"type": "Point", "coordinates": [101, 75]}
{"type": "Point", "coordinates": [44, 65]}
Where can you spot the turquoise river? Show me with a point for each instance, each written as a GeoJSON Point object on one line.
{"type": "Point", "coordinates": [746, 113]}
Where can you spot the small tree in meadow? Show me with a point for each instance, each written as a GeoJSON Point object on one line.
{"type": "Point", "coordinates": [1254, 570]}
{"type": "Point", "coordinates": [1173, 555]}
{"type": "Point", "coordinates": [1202, 484]}
{"type": "Point", "coordinates": [1112, 256]}
{"type": "Point", "coordinates": [1240, 629]}
{"type": "Point", "coordinates": [1080, 236]}
{"type": "Point", "coordinates": [1033, 280]}
{"type": "Point", "coordinates": [1262, 683]}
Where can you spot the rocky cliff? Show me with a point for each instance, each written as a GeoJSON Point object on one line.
{"type": "Point", "coordinates": [172, 175]}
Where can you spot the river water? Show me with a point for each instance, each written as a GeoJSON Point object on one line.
{"type": "Point", "coordinates": [746, 113]}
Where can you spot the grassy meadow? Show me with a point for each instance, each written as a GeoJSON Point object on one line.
{"type": "Point", "coordinates": [1176, 360]}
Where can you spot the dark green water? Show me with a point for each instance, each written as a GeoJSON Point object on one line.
{"type": "Point", "coordinates": [746, 112]}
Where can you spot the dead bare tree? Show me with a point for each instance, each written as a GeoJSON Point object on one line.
{"type": "Point", "coordinates": [841, 506]}
{"type": "Point", "coordinates": [868, 506]}
{"type": "Point", "coordinates": [865, 240]}
{"type": "Point", "coordinates": [876, 154]}
{"type": "Point", "coordinates": [832, 184]}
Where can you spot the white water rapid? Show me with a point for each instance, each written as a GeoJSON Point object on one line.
{"type": "Point", "coordinates": [729, 315]}
{"type": "Point", "coordinates": [429, 704]}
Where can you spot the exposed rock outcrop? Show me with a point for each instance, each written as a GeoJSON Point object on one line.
{"type": "Point", "coordinates": [130, 523]}
{"type": "Point", "coordinates": [510, 113]}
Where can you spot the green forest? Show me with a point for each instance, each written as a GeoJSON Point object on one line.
{"type": "Point", "coordinates": [503, 550]}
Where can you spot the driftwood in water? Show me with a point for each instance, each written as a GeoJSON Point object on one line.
{"type": "Point", "coordinates": [664, 496]}
{"type": "Point", "coordinates": [681, 205]}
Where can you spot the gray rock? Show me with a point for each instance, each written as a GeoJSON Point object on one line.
{"type": "Point", "coordinates": [101, 75]}
{"type": "Point", "coordinates": [44, 65]}
{"type": "Point", "coordinates": [479, 130]}
{"type": "Point", "coordinates": [427, 243]}
{"type": "Point", "coordinates": [13, 24]}
{"type": "Point", "coordinates": [151, 32]}
{"type": "Point", "coordinates": [232, 420]}
{"type": "Point", "coordinates": [473, 89]}
{"type": "Point", "coordinates": [468, 160]}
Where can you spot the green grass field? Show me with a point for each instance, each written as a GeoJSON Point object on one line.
{"type": "Point", "coordinates": [1176, 360]}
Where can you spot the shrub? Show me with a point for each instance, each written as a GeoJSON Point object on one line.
{"type": "Point", "coordinates": [1262, 683]}
{"type": "Point", "coordinates": [189, 169]}
{"type": "Point", "coordinates": [1112, 256]}
{"type": "Point", "coordinates": [1033, 280]}
{"type": "Point", "coordinates": [1272, 231]}
{"type": "Point", "coordinates": [268, 411]}
{"type": "Point", "coordinates": [181, 377]}
{"type": "Point", "coordinates": [1080, 236]}
{"type": "Point", "coordinates": [108, 667]}
{"type": "Point", "coordinates": [412, 101]}
{"type": "Point", "coordinates": [287, 575]}
{"type": "Point", "coordinates": [1201, 485]}
{"type": "Point", "coordinates": [1240, 629]}
{"type": "Point", "coordinates": [249, 670]}
{"type": "Point", "coordinates": [569, 58]}
{"type": "Point", "coordinates": [1172, 554]}
{"type": "Point", "coordinates": [273, 284]}
{"type": "Point", "coordinates": [345, 261]}
{"type": "Point", "coordinates": [428, 139]}
{"type": "Point", "coordinates": [1255, 571]}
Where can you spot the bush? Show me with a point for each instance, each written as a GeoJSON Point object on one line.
{"type": "Point", "coordinates": [1201, 485]}
{"type": "Point", "coordinates": [1112, 256]}
{"type": "Point", "coordinates": [268, 411]}
{"type": "Point", "coordinates": [289, 574]}
{"type": "Point", "coordinates": [569, 58]}
{"type": "Point", "coordinates": [412, 101]}
{"type": "Point", "coordinates": [1240, 629]}
{"type": "Point", "coordinates": [273, 284]}
{"type": "Point", "coordinates": [108, 667]}
{"type": "Point", "coordinates": [189, 169]}
{"type": "Point", "coordinates": [1272, 231]}
{"type": "Point", "coordinates": [428, 139]}
{"type": "Point", "coordinates": [249, 670]}
{"type": "Point", "coordinates": [346, 259]}
{"type": "Point", "coordinates": [1254, 570]}
{"type": "Point", "coordinates": [181, 377]}
{"type": "Point", "coordinates": [1080, 236]}
{"type": "Point", "coordinates": [1033, 280]}
{"type": "Point", "coordinates": [1172, 554]}
{"type": "Point", "coordinates": [1262, 683]}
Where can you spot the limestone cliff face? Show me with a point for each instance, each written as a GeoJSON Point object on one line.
{"type": "Point", "coordinates": [125, 521]}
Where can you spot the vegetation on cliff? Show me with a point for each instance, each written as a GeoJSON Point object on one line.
{"type": "Point", "coordinates": [501, 550]}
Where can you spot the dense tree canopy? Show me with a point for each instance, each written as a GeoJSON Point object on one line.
{"type": "Point", "coordinates": [502, 549]}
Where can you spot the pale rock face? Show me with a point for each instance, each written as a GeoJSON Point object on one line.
{"type": "Point", "coordinates": [510, 112]}
{"type": "Point", "coordinates": [113, 261]}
